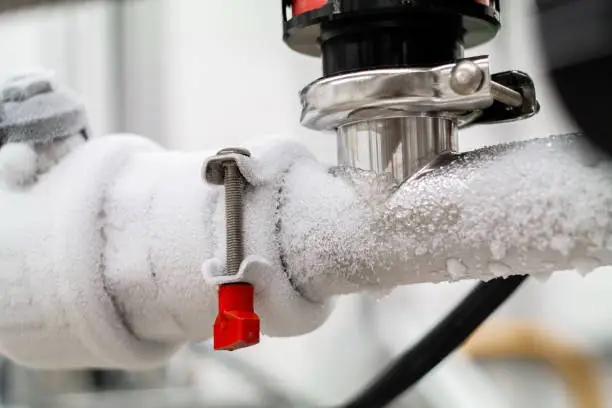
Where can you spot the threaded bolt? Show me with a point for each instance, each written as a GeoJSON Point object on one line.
{"type": "Point", "coordinates": [234, 184]}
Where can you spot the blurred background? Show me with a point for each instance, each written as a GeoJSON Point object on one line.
{"type": "Point", "coordinates": [194, 75]}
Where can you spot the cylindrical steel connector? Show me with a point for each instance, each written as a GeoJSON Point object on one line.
{"type": "Point", "coordinates": [400, 146]}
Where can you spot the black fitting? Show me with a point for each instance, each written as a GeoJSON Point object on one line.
{"type": "Point", "coordinates": [356, 35]}
{"type": "Point", "coordinates": [415, 39]}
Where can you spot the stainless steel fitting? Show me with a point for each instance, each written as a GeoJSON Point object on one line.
{"type": "Point", "coordinates": [399, 146]}
{"type": "Point", "coordinates": [399, 120]}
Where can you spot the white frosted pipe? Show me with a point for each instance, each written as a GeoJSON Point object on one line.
{"type": "Point", "coordinates": [525, 208]}
{"type": "Point", "coordinates": [101, 256]}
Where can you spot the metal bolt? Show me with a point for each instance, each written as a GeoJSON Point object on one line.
{"type": "Point", "coordinates": [234, 198]}
{"type": "Point", "coordinates": [466, 78]}
{"type": "Point", "coordinates": [506, 95]}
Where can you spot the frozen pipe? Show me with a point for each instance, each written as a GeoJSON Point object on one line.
{"type": "Point", "coordinates": [106, 258]}
{"type": "Point", "coordinates": [524, 208]}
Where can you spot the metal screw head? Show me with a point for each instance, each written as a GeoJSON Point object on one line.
{"type": "Point", "coordinates": [214, 171]}
{"type": "Point", "coordinates": [234, 150]}
{"type": "Point", "coordinates": [466, 78]}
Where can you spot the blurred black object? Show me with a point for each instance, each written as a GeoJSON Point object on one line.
{"type": "Point", "coordinates": [577, 44]}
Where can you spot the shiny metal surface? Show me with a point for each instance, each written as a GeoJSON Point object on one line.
{"type": "Point", "coordinates": [466, 78]}
{"type": "Point", "coordinates": [468, 119]}
{"type": "Point", "coordinates": [333, 102]}
{"type": "Point", "coordinates": [506, 95]}
{"type": "Point", "coordinates": [400, 146]}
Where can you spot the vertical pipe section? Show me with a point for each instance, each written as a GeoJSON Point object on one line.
{"type": "Point", "coordinates": [399, 146]}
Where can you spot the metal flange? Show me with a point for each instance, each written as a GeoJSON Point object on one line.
{"type": "Point", "coordinates": [451, 90]}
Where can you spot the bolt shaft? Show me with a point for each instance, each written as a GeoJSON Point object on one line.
{"type": "Point", "coordinates": [234, 197]}
{"type": "Point", "coordinates": [506, 95]}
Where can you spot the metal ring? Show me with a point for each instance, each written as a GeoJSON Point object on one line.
{"type": "Point", "coordinates": [330, 102]}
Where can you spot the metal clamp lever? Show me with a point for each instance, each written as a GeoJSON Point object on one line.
{"type": "Point", "coordinates": [236, 325]}
{"type": "Point", "coordinates": [514, 99]}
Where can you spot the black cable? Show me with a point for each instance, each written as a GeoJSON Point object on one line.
{"type": "Point", "coordinates": [441, 341]}
{"type": "Point", "coordinates": [5, 381]}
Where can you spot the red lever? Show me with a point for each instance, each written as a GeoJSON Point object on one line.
{"type": "Point", "coordinates": [236, 325]}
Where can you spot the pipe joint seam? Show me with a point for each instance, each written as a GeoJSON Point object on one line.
{"type": "Point", "coordinates": [280, 302]}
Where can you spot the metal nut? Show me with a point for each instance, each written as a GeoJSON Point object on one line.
{"type": "Point", "coordinates": [214, 172]}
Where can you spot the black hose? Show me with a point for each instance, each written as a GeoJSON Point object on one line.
{"type": "Point", "coordinates": [441, 341]}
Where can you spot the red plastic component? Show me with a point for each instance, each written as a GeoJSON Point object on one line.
{"type": "Point", "coordinates": [236, 325]}
{"type": "Point", "coordinates": [303, 6]}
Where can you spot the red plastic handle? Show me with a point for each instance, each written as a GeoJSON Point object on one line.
{"type": "Point", "coordinates": [236, 325]}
